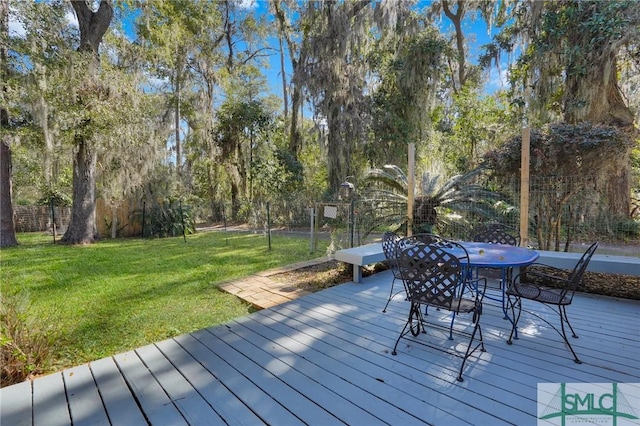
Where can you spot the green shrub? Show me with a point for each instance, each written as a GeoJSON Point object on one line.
{"type": "Point", "coordinates": [25, 339]}
{"type": "Point", "coordinates": [628, 228]}
{"type": "Point", "coordinates": [168, 220]}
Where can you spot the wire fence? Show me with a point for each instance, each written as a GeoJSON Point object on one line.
{"type": "Point", "coordinates": [564, 214]}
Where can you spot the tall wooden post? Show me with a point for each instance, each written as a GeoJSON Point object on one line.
{"type": "Point", "coordinates": [411, 172]}
{"type": "Point", "coordinates": [524, 186]}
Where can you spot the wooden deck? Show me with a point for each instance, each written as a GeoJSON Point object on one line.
{"type": "Point", "coordinates": [326, 359]}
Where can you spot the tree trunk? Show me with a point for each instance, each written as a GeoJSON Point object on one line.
{"type": "Point", "coordinates": [294, 135]}
{"type": "Point", "coordinates": [336, 157]}
{"type": "Point", "coordinates": [595, 97]}
{"type": "Point", "coordinates": [285, 97]}
{"type": "Point", "coordinates": [235, 201]}
{"type": "Point", "coordinates": [456, 19]}
{"type": "Point", "coordinates": [7, 222]}
{"type": "Point", "coordinates": [82, 226]}
{"type": "Point", "coordinates": [177, 122]}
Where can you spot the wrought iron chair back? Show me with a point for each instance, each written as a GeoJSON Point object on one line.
{"type": "Point", "coordinates": [552, 287]}
{"type": "Point", "coordinates": [423, 238]}
{"type": "Point", "coordinates": [389, 243]}
{"type": "Point", "coordinates": [436, 274]}
{"type": "Point", "coordinates": [433, 276]}
{"type": "Point", "coordinates": [576, 275]}
{"type": "Point", "coordinates": [496, 233]}
{"type": "Point", "coordinates": [392, 244]}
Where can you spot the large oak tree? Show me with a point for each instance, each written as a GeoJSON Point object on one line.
{"type": "Point", "coordinates": [93, 26]}
{"type": "Point", "coordinates": [569, 72]}
{"type": "Point", "coordinates": [7, 223]}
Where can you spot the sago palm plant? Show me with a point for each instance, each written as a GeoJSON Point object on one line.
{"type": "Point", "coordinates": [437, 208]}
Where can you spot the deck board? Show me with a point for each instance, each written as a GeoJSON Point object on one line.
{"type": "Point", "coordinates": [305, 376]}
{"type": "Point", "coordinates": [190, 403]}
{"type": "Point", "coordinates": [224, 403]}
{"type": "Point", "coordinates": [83, 397]}
{"type": "Point", "coordinates": [253, 397]}
{"type": "Point", "coordinates": [153, 401]}
{"type": "Point", "coordinates": [326, 359]}
{"type": "Point", "coordinates": [16, 405]}
{"type": "Point", "coordinates": [252, 364]}
{"type": "Point", "coordinates": [53, 409]}
{"type": "Point", "coordinates": [119, 403]}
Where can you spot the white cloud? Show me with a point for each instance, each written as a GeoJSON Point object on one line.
{"type": "Point", "coordinates": [498, 78]}
{"type": "Point", "coordinates": [16, 28]}
{"type": "Point", "coordinates": [72, 19]}
{"type": "Point", "coordinates": [248, 4]}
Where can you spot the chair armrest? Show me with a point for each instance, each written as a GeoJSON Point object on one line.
{"type": "Point", "coordinates": [543, 265]}
{"type": "Point", "coordinates": [543, 279]}
{"type": "Point", "coordinates": [480, 290]}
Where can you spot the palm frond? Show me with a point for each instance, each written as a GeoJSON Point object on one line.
{"type": "Point", "coordinates": [429, 183]}
{"type": "Point", "coordinates": [390, 176]}
{"type": "Point", "coordinates": [458, 200]}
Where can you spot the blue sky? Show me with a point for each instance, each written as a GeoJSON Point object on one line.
{"type": "Point", "coordinates": [475, 32]}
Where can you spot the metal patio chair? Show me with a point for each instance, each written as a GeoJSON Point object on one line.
{"type": "Point", "coordinates": [436, 277]}
{"type": "Point", "coordinates": [390, 242]}
{"type": "Point", "coordinates": [496, 233]}
{"type": "Point", "coordinates": [554, 289]}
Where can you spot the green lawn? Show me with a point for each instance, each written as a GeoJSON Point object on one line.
{"type": "Point", "coordinates": [117, 295]}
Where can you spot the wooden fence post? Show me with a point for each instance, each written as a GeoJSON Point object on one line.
{"type": "Point", "coordinates": [524, 186]}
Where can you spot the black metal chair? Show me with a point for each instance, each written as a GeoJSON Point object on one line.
{"type": "Point", "coordinates": [496, 233]}
{"type": "Point", "coordinates": [552, 287]}
{"type": "Point", "coordinates": [390, 243]}
{"type": "Point", "coordinates": [435, 275]}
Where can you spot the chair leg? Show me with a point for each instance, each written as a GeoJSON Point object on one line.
{"type": "Point", "coordinates": [516, 302]}
{"type": "Point", "coordinates": [563, 318]}
{"type": "Point", "coordinates": [562, 313]}
{"type": "Point", "coordinates": [414, 312]}
{"type": "Point", "coordinates": [422, 320]}
{"type": "Point", "coordinates": [566, 318]}
{"type": "Point", "coordinates": [416, 321]}
{"type": "Point", "coordinates": [390, 296]}
{"type": "Point", "coordinates": [469, 352]}
{"type": "Point", "coordinates": [453, 318]}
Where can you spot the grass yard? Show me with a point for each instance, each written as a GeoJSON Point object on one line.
{"type": "Point", "coordinates": [116, 295]}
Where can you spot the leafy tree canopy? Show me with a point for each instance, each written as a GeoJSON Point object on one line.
{"type": "Point", "coordinates": [561, 149]}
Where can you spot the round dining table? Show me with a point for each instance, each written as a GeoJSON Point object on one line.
{"type": "Point", "coordinates": [499, 256]}
{"type": "Point", "coordinates": [489, 255]}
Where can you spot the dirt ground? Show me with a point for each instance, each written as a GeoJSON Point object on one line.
{"type": "Point", "coordinates": [330, 273]}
